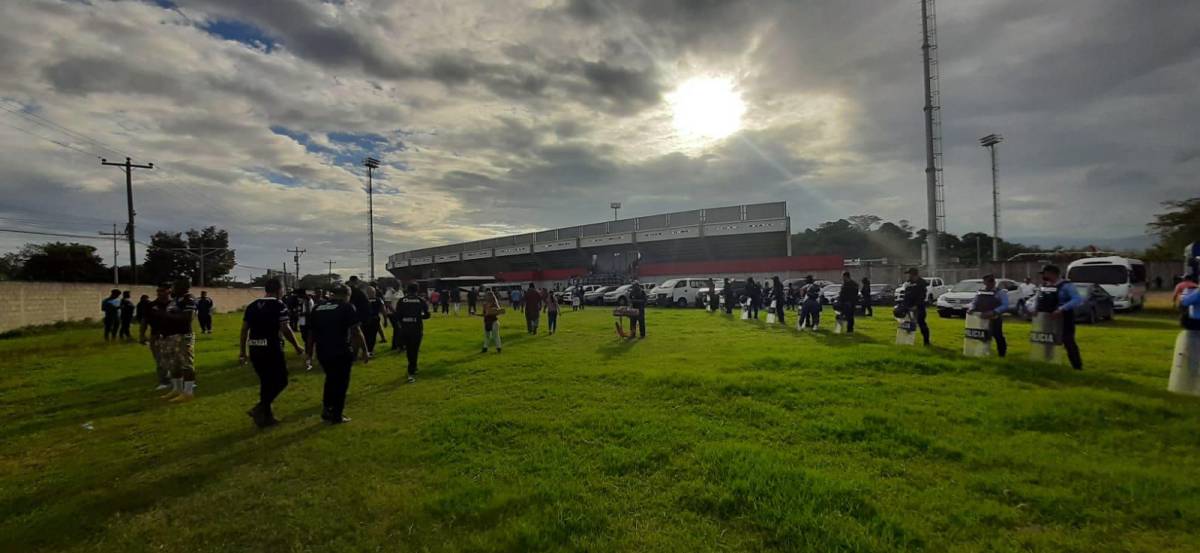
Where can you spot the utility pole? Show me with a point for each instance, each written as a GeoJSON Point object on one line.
{"type": "Point", "coordinates": [285, 282]}
{"type": "Point", "coordinates": [990, 141]}
{"type": "Point", "coordinates": [128, 167]}
{"type": "Point", "coordinates": [114, 234]}
{"type": "Point", "coordinates": [296, 253]}
{"type": "Point", "coordinates": [371, 164]}
{"type": "Point", "coordinates": [329, 278]}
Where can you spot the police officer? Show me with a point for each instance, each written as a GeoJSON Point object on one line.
{"type": "Point", "coordinates": [1059, 298]}
{"type": "Point", "coordinates": [264, 320]}
{"type": "Point", "coordinates": [637, 300]}
{"type": "Point", "coordinates": [868, 309]}
{"type": "Point", "coordinates": [810, 308]}
{"type": "Point", "coordinates": [411, 312]}
{"type": "Point", "coordinates": [991, 303]}
{"type": "Point", "coordinates": [336, 331]}
{"type": "Point", "coordinates": [847, 298]}
{"type": "Point", "coordinates": [204, 311]}
{"type": "Point", "coordinates": [913, 301]}
{"type": "Point", "coordinates": [727, 292]}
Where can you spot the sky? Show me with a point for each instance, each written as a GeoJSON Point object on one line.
{"type": "Point", "coordinates": [494, 117]}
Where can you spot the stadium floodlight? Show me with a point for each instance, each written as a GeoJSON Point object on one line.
{"type": "Point", "coordinates": [990, 141]}
{"type": "Point", "coordinates": [371, 164]}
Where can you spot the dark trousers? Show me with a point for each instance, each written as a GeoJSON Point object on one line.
{"type": "Point", "coordinates": [112, 326]}
{"type": "Point", "coordinates": [531, 323]}
{"type": "Point", "coordinates": [337, 381]}
{"type": "Point", "coordinates": [272, 372]}
{"type": "Point", "coordinates": [470, 308]}
{"type": "Point", "coordinates": [780, 310]}
{"type": "Point", "coordinates": [205, 320]}
{"type": "Point", "coordinates": [810, 315]}
{"type": "Point", "coordinates": [638, 323]}
{"type": "Point", "coordinates": [753, 309]}
{"type": "Point", "coordinates": [445, 308]}
{"type": "Point", "coordinates": [396, 342]}
{"type": "Point", "coordinates": [919, 315]}
{"type": "Point", "coordinates": [125, 322]}
{"type": "Point", "coordinates": [411, 338]}
{"type": "Point", "coordinates": [996, 328]}
{"type": "Point", "coordinates": [552, 321]}
{"type": "Point", "coordinates": [1068, 340]}
{"type": "Point", "coordinates": [728, 306]}
{"type": "Point", "coordinates": [868, 309]}
{"type": "Point", "coordinates": [848, 317]}
{"type": "Point", "coordinates": [371, 332]}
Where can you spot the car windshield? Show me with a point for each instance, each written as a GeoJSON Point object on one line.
{"type": "Point", "coordinates": [832, 289]}
{"type": "Point", "coordinates": [602, 290]}
{"type": "Point", "coordinates": [622, 288]}
{"type": "Point", "coordinates": [1099, 274]}
{"type": "Point", "coordinates": [968, 286]}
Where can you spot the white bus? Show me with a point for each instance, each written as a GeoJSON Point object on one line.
{"type": "Point", "coordinates": [1123, 278]}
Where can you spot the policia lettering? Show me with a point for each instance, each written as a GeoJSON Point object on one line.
{"type": "Point", "coordinates": [411, 313]}
{"type": "Point", "coordinates": [1055, 305]}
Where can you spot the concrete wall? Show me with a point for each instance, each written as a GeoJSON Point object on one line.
{"type": "Point", "coordinates": [39, 303]}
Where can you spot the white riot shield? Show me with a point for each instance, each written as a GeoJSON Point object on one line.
{"type": "Point", "coordinates": [1045, 336]}
{"type": "Point", "coordinates": [906, 331]}
{"type": "Point", "coordinates": [977, 338]}
{"type": "Point", "coordinates": [1185, 373]}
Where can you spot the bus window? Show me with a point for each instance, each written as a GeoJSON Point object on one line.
{"type": "Point", "coordinates": [1099, 274]}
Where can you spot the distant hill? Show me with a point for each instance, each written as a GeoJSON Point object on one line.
{"type": "Point", "coordinates": [1125, 243]}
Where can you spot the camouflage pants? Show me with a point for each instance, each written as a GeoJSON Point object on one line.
{"type": "Point", "coordinates": [177, 354]}
{"type": "Point", "coordinates": [164, 376]}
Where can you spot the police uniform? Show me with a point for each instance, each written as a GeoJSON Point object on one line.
{"type": "Point", "coordinates": [263, 317]}
{"type": "Point", "coordinates": [411, 312]}
{"type": "Point", "coordinates": [1063, 296]}
{"type": "Point", "coordinates": [847, 298]}
{"type": "Point", "coordinates": [204, 309]}
{"type": "Point", "coordinates": [330, 326]}
{"type": "Point", "coordinates": [914, 301]}
{"type": "Point", "coordinates": [810, 309]}
{"type": "Point", "coordinates": [995, 301]}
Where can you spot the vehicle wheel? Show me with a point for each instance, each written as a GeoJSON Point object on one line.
{"type": "Point", "coordinates": [622, 301]}
{"type": "Point", "coordinates": [681, 302]}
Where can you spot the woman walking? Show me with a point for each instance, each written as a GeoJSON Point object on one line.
{"type": "Point", "coordinates": [491, 320]}
{"type": "Point", "coordinates": [551, 311]}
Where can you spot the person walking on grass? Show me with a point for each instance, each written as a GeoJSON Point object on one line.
{"type": "Point", "coordinates": [727, 293]}
{"type": "Point", "coordinates": [178, 343]}
{"type": "Point", "coordinates": [1059, 297]}
{"type": "Point", "coordinates": [127, 311]}
{"type": "Point", "coordinates": [991, 303]}
{"type": "Point", "coordinates": [551, 312]}
{"type": "Point", "coordinates": [336, 330]}
{"type": "Point", "coordinates": [411, 313]}
{"type": "Point", "coordinates": [491, 312]}
{"type": "Point", "coordinates": [444, 301]}
{"type": "Point", "coordinates": [754, 292]}
{"type": "Point", "coordinates": [914, 301]}
{"type": "Point", "coordinates": [810, 304]}
{"type": "Point", "coordinates": [533, 309]}
{"type": "Point", "coordinates": [472, 300]}
{"type": "Point", "coordinates": [373, 322]}
{"type": "Point", "coordinates": [204, 312]}
{"type": "Point", "coordinates": [456, 299]}
{"type": "Point", "coordinates": [151, 320]}
{"type": "Point", "coordinates": [263, 322]}
{"type": "Point", "coordinates": [111, 308]}
{"type": "Point", "coordinates": [868, 310]}
{"type": "Point", "coordinates": [847, 298]}
{"type": "Point", "coordinates": [637, 300]}
{"type": "Point", "coordinates": [778, 300]}
{"type": "Point", "coordinates": [142, 309]}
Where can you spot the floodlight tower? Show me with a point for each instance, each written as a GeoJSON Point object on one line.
{"type": "Point", "coordinates": [935, 194]}
{"type": "Point", "coordinates": [990, 141]}
{"type": "Point", "coordinates": [615, 206]}
{"type": "Point", "coordinates": [371, 164]}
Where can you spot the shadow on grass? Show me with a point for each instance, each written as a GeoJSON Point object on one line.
{"type": "Point", "coordinates": [616, 348]}
{"type": "Point", "coordinates": [72, 513]}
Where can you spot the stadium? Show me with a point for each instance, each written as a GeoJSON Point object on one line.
{"type": "Point", "coordinates": [740, 240]}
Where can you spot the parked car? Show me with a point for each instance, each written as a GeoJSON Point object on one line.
{"type": "Point", "coordinates": [883, 294]}
{"type": "Point", "coordinates": [1098, 304]}
{"type": "Point", "coordinates": [596, 295]}
{"type": "Point", "coordinates": [680, 292]}
{"type": "Point", "coordinates": [829, 294]}
{"type": "Point", "coordinates": [954, 303]}
{"type": "Point", "coordinates": [618, 296]}
{"type": "Point", "coordinates": [738, 285]}
{"type": "Point", "coordinates": [936, 287]}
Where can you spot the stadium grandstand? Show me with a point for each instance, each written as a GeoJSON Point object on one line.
{"type": "Point", "coordinates": [735, 241]}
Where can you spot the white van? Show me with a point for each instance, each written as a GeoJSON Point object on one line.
{"type": "Point", "coordinates": [681, 292]}
{"type": "Point", "coordinates": [1123, 278]}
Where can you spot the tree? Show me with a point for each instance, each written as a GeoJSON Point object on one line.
{"type": "Point", "coordinates": [10, 265]}
{"type": "Point", "coordinates": [864, 223]}
{"type": "Point", "coordinates": [322, 280]}
{"type": "Point", "coordinates": [1176, 228]}
{"type": "Point", "coordinates": [213, 244]}
{"type": "Point", "coordinates": [167, 258]}
{"type": "Point", "coordinates": [62, 262]}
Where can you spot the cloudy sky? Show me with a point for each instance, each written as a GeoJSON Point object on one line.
{"type": "Point", "coordinates": [498, 116]}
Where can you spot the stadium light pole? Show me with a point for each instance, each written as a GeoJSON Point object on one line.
{"type": "Point", "coordinates": [990, 141]}
{"type": "Point", "coordinates": [615, 206]}
{"type": "Point", "coordinates": [371, 164]}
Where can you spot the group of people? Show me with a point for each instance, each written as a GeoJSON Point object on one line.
{"type": "Point", "coordinates": [777, 299]}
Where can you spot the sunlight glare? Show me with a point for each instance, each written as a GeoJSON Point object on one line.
{"type": "Point", "coordinates": [707, 107]}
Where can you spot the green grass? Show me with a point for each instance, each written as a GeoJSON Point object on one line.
{"type": "Point", "coordinates": [713, 434]}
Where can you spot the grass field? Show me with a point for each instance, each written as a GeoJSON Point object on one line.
{"type": "Point", "coordinates": [713, 434]}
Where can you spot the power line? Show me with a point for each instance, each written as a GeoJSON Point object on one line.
{"type": "Point", "coordinates": [59, 234]}
{"type": "Point", "coordinates": [48, 123]}
{"type": "Point", "coordinates": [50, 140]}
{"type": "Point", "coordinates": [128, 167]}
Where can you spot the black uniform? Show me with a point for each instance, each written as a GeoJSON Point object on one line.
{"type": "Point", "coordinates": [411, 312]}
{"type": "Point", "coordinates": [914, 301]}
{"type": "Point", "coordinates": [727, 291]}
{"type": "Point", "coordinates": [265, 347]}
{"type": "Point", "coordinates": [637, 300]}
{"type": "Point", "coordinates": [472, 300]}
{"type": "Point", "coordinates": [204, 309]}
{"type": "Point", "coordinates": [847, 298]}
{"type": "Point", "coordinates": [330, 327]}
{"type": "Point", "coordinates": [868, 310]}
{"type": "Point", "coordinates": [127, 309]}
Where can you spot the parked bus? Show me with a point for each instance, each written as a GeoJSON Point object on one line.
{"type": "Point", "coordinates": [1123, 278]}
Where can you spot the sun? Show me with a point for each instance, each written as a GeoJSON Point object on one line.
{"type": "Point", "coordinates": [707, 107]}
